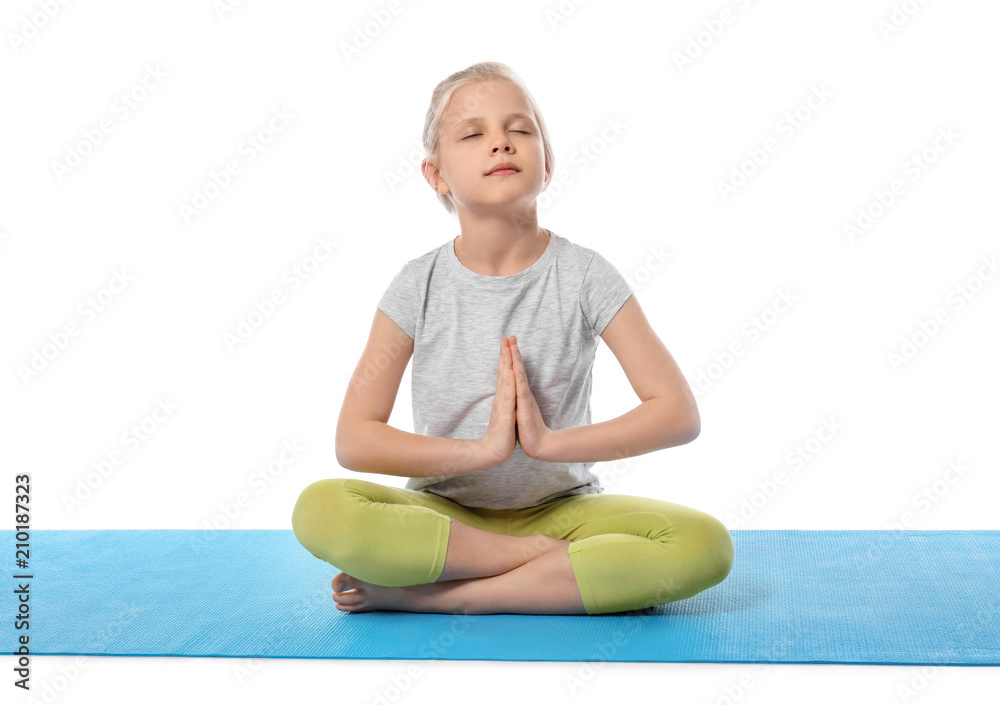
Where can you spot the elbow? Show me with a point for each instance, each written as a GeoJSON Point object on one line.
{"type": "Point", "coordinates": [681, 433]}
{"type": "Point", "coordinates": [693, 425]}
{"type": "Point", "coordinates": [342, 457]}
{"type": "Point", "coordinates": [694, 430]}
{"type": "Point", "coordinates": [692, 419]}
{"type": "Point", "coordinates": [684, 425]}
{"type": "Point", "coordinates": [345, 447]}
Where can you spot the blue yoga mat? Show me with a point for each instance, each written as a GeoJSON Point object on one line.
{"type": "Point", "coordinates": [796, 596]}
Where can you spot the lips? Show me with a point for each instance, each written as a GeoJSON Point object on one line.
{"type": "Point", "coordinates": [503, 168]}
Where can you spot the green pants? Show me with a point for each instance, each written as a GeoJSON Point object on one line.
{"type": "Point", "coordinates": [627, 552]}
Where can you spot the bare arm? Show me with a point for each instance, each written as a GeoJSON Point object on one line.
{"type": "Point", "coordinates": [667, 415]}
{"type": "Point", "coordinates": [380, 448]}
{"type": "Point", "coordinates": [653, 425]}
{"type": "Point", "coordinates": [367, 443]}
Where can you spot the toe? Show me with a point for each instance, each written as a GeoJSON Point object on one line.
{"type": "Point", "coordinates": [342, 582]}
{"type": "Point", "coordinates": [349, 598]}
{"type": "Point", "coordinates": [354, 604]}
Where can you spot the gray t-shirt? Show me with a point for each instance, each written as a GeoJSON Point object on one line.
{"type": "Point", "coordinates": [557, 308]}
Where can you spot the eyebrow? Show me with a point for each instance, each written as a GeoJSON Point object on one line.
{"type": "Point", "coordinates": [471, 120]}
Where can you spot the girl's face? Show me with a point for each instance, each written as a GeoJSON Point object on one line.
{"type": "Point", "coordinates": [485, 124]}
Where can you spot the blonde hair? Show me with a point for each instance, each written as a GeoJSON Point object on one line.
{"type": "Point", "coordinates": [483, 71]}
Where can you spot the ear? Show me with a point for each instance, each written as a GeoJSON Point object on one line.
{"type": "Point", "coordinates": [432, 174]}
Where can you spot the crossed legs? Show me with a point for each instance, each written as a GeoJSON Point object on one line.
{"type": "Point", "coordinates": [484, 573]}
{"type": "Point", "coordinates": [585, 554]}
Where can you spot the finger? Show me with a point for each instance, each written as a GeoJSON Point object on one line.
{"type": "Point", "coordinates": [520, 382]}
{"type": "Point", "coordinates": [518, 364]}
{"type": "Point", "coordinates": [517, 390]}
{"type": "Point", "coordinates": [515, 353]}
{"type": "Point", "coordinates": [504, 358]}
{"type": "Point", "coordinates": [508, 380]}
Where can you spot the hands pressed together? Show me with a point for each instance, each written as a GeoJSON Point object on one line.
{"type": "Point", "coordinates": [515, 415]}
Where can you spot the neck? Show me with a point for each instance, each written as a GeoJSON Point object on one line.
{"type": "Point", "coordinates": [500, 252]}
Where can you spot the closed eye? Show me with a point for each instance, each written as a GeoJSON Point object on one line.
{"type": "Point", "coordinates": [478, 134]}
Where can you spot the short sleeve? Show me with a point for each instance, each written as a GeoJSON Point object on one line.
{"type": "Point", "coordinates": [400, 301]}
{"type": "Point", "coordinates": [604, 292]}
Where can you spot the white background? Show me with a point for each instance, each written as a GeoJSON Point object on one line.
{"type": "Point", "coordinates": [344, 169]}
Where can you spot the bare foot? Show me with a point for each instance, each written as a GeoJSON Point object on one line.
{"type": "Point", "coordinates": [353, 595]}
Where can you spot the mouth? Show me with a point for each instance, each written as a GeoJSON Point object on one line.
{"type": "Point", "coordinates": [503, 170]}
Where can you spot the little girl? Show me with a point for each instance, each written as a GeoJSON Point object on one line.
{"type": "Point", "coordinates": [501, 512]}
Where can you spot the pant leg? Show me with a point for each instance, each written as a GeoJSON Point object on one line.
{"type": "Point", "coordinates": [382, 535]}
{"type": "Point", "coordinates": [631, 552]}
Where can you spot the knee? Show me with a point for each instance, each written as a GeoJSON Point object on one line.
{"type": "Point", "coordinates": [717, 549]}
{"type": "Point", "coordinates": [701, 558]}
{"type": "Point", "coordinates": [319, 505]}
